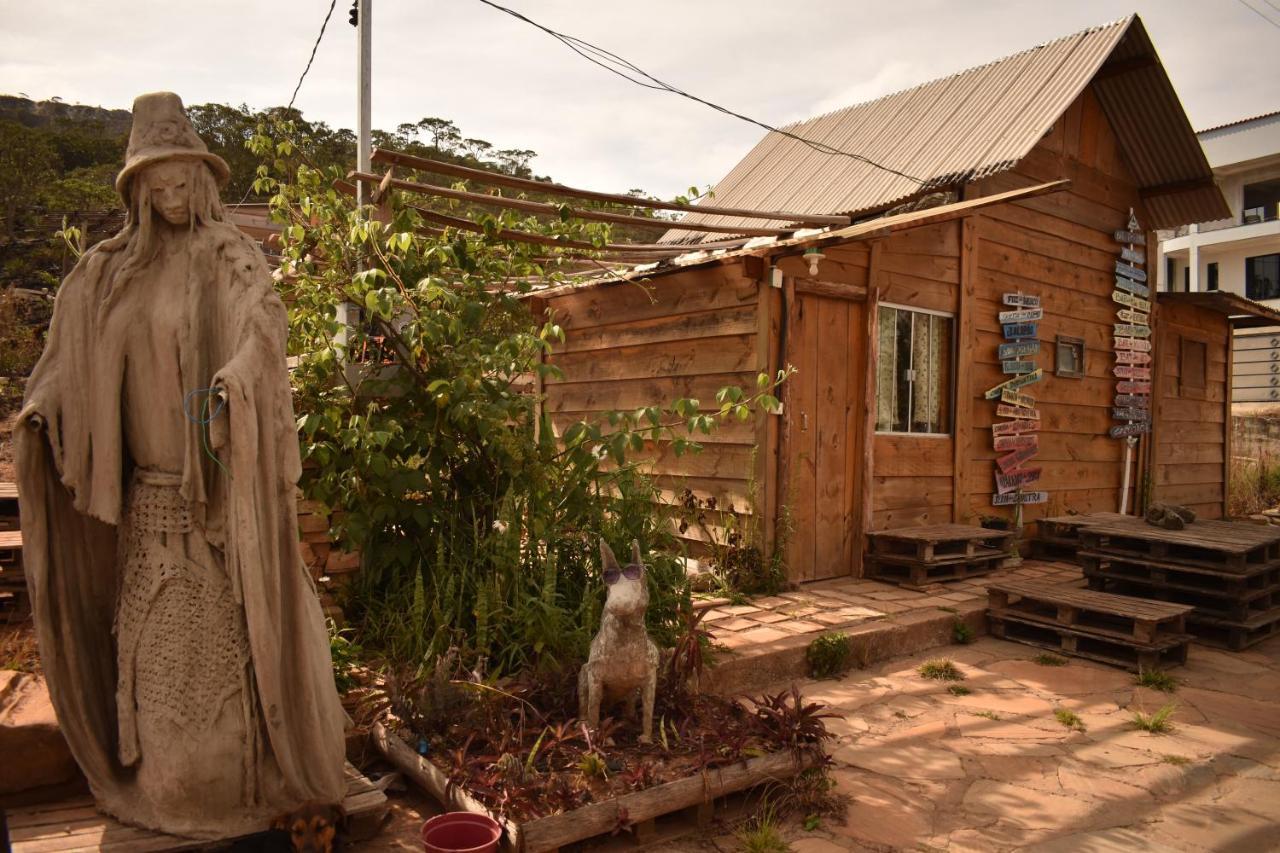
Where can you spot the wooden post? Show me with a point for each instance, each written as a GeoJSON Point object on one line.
{"type": "Point", "coordinates": [1227, 422]}
{"type": "Point", "coordinates": [867, 482]}
{"type": "Point", "coordinates": [768, 360]}
{"type": "Point", "coordinates": [962, 424]}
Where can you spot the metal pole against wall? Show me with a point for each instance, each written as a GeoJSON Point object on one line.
{"type": "Point", "coordinates": [364, 95]}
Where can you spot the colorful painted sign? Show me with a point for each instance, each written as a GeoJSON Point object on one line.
{"type": "Point", "coordinates": [1132, 287]}
{"type": "Point", "coordinates": [1014, 331]}
{"type": "Point", "coordinates": [1132, 344]}
{"type": "Point", "coordinates": [1025, 315]}
{"type": "Point", "coordinates": [1125, 430]}
{"type": "Point", "coordinates": [1135, 237]}
{"type": "Point", "coordinates": [1021, 300]}
{"type": "Point", "coordinates": [1017, 367]}
{"type": "Point", "coordinates": [1014, 427]}
{"type": "Point", "coordinates": [1139, 400]}
{"type": "Point", "coordinates": [1131, 413]}
{"type": "Point", "coordinates": [1005, 411]}
{"type": "Point", "coordinates": [1015, 383]}
{"type": "Point", "coordinates": [1133, 387]}
{"type": "Point", "coordinates": [1128, 356]}
{"type": "Point", "coordinates": [1012, 480]}
{"type": "Point", "coordinates": [1132, 331]}
{"type": "Point", "coordinates": [1016, 498]}
{"type": "Point", "coordinates": [1005, 443]}
{"type": "Point", "coordinates": [1132, 301]}
{"type": "Point", "coordinates": [1013, 461]}
{"type": "Point", "coordinates": [1129, 371]}
{"type": "Point", "coordinates": [1017, 349]}
{"type": "Point", "coordinates": [1128, 315]}
{"type": "Point", "coordinates": [1133, 256]}
{"type": "Point", "coordinates": [1130, 271]}
{"type": "Point", "coordinates": [1013, 398]}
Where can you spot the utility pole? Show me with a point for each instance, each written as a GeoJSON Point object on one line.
{"type": "Point", "coordinates": [364, 94]}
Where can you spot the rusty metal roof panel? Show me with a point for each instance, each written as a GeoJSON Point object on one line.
{"type": "Point", "coordinates": [970, 125]}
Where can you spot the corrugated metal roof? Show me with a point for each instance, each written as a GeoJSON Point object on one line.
{"type": "Point", "coordinates": [977, 123]}
{"type": "Point", "coordinates": [1237, 121]}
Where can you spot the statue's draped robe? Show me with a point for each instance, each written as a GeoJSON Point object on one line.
{"type": "Point", "coordinates": [73, 473]}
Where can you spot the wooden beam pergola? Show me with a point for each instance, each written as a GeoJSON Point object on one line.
{"type": "Point", "coordinates": [423, 164]}
{"type": "Point", "coordinates": [554, 209]}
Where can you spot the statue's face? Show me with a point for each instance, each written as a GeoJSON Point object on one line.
{"type": "Point", "coordinates": [169, 185]}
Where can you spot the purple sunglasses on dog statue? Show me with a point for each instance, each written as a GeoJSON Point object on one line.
{"type": "Point", "coordinates": [631, 571]}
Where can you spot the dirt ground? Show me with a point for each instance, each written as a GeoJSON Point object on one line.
{"type": "Point", "coordinates": [995, 770]}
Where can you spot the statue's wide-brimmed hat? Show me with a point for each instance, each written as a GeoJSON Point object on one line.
{"type": "Point", "coordinates": [162, 131]}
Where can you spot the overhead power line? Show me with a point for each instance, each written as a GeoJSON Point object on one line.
{"type": "Point", "coordinates": [1251, 8]}
{"type": "Point", "coordinates": [312, 58]}
{"type": "Point", "coordinates": [632, 73]}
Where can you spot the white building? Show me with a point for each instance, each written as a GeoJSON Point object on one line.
{"type": "Point", "coordinates": [1241, 254]}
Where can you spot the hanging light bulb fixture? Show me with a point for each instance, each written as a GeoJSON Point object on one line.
{"type": "Point", "coordinates": [813, 255]}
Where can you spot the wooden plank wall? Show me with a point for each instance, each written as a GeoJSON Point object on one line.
{"type": "Point", "coordinates": [685, 334]}
{"type": "Point", "coordinates": [912, 474]}
{"type": "Point", "coordinates": [1058, 247]}
{"type": "Point", "coordinates": [1190, 452]}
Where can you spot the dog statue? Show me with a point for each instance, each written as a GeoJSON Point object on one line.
{"type": "Point", "coordinates": [624, 661]}
{"type": "Point", "coordinates": [1169, 516]}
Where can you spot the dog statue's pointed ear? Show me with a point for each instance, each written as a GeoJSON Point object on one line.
{"type": "Point", "coordinates": [608, 561]}
{"type": "Point", "coordinates": [635, 553]}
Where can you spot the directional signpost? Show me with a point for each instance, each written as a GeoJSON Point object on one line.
{"type": "Point", "coordinates": [1015, 439]}
{"type": "Point", "coordinates": [1132, 410]}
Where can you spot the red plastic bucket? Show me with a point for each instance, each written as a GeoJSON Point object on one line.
{"type": "Point", "coordinates": [461, 832]}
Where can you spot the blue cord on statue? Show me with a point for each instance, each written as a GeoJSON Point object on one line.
{"type": "Point", "coordinates": [205, 418]}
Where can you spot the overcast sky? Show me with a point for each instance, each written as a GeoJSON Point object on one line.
{"type": "Point", "coordinates": [503, 81]}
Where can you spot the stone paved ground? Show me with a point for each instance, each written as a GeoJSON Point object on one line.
{"type": "Point", "coordinates": [995, 770]}
{"type": "Point", "coordinates": [840, 603]}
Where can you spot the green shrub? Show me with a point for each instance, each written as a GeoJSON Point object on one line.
{"type": "Point", "coordinates": [828, 655]}
{"type": "Point", "coordinates": [1069, 718]}
{"type": "Point", "coordinates": [1156, 679]}
{"type": "Point", "coordinates": [1157, 723]}
{"type": "Point", "coordinates": [1046, 659]}
{"type": "Point", "coordinates": [961, 633]}
{"type": "Point", "coordinates": [940, 670]}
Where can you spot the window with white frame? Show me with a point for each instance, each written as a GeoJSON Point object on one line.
{"type": "Point", "coordinates": [914, 373]}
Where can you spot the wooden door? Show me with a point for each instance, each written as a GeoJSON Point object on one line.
{"type": "Point", "coordinates": [823, 420]}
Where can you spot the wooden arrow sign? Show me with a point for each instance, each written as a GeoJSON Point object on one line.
{"type": "Point", "coordinates": [1133, 256]}
{"type": "Point", "coordinates": [1011, 480]}
{"type": "Point", "coordinates": [1140, 400]}
{"type": "Point", "coordinates": [1128, 315]}
{"type": "Point", "coordinates": [1015, 383]}
{"type": "Point", "coordinates": [1015, 498]}
{"type": "Point", "coordinates": [1014, 427]}
{"type": "Point", "coordinates": [1025, 315]}
{"type": "Point", "coordinates": [1132, 287]}
{"type": "Point", "coordinates": [1130, 271]}
{"type": "Point", "coordinates": [1134, 302]}
{"type": "Point", "coordinates": [1013, 331]}
{"type": "Point", "coordinates": [1131, 330]}
{"type": "Point", "coordinates": [1135, 237]}
{"type": "Point", "coordinates": [1131, 414]}
{"type": "Point", "coordinates": [1132, 357]}
{"type": "Point", "coordinates": [1017, 412]}
{"type": "Point", "coordinates": [1123, 430]}
{"type": "Point", "coordinates": [1022, 441]}
{"type": "Point", "coordinates": [1129, 371]}
{"type": "Point", "coordinates": [1132, 344]}
{"type": "Point", "coordinates": [1021, 300]}
{"type": "Point", "coordinates": [1017, 349]}
{"type": "Point", "coordinates": [1014, 460]}
{"type": "Point", "coordinates": [1017, 367]}
{"type": "Point", "coordinates": [1133, 387]}
{"type": "Point", "coordinates": [1013, 398]}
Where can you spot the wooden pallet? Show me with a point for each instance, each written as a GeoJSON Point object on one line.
{"type": "Point", "coordinates": [936, 541]}
{"type": "Point", "coordinates": [1082, 644]}
{"type": "Point", "coordinates": [1236, 635]}
{"type": "Point", "coordinates": [1058, 538]}
{"type": "Point", "coordinates": [76, 825]}
{"type": "Point", "coordinates": [1119, 618]}
{"type": "Point", "coordinates": [913, 574]}
{"type": "Point", "coordinates": [1220, 545]}
{"type": "Point", "coordinates": [1236, 601]}
{"type": "Point", "coordinates": [13, 583]}
{"type": "Point", "coordinates": [1191, 578]}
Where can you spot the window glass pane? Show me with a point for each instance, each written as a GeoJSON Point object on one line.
{"type": "Point", "coordinates": [1262, 277]}
{"type": "Point", "coordinates": [886, 387]}
{"type": "Point", "coordinates": [902, 379]}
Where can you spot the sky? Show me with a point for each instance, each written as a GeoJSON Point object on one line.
{"type": "Point", "coordinates": [503, 81]}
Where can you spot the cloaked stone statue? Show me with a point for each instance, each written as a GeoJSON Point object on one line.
{"type": "Point", "coordinates": [181, 636]}
{"type": "Point", "coordinates": [623, 665]}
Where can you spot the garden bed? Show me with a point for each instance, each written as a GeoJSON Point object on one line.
{"type": "Point", "coordinates": [625, 812]}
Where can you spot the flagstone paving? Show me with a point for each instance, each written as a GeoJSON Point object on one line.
{"type": "Point", "coordinates": [994, 770]}
{"type": "Point", "coordinates": [835, 604]}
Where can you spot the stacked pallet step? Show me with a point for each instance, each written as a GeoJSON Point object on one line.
{"type": "Point", "coordinates": [1120, 630]}
{"type": "Point", "coordinates": [13, 585]}
{"type": "Point", "coordinates": [1229, 572]}
{"type": "Point", "coordinates": [1058, 538]}
{"type": "Point", "coordinates": [914, 557]}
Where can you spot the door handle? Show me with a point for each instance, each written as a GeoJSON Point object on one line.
{"type": "Point", "coordinates": [804, 421]}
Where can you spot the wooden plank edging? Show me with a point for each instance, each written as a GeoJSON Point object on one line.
{"type": "Point", "coordinates": [555, 831]}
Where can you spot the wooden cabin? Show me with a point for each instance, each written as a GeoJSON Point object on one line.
{"type": "Point", "coordinates": [1014, 179]}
